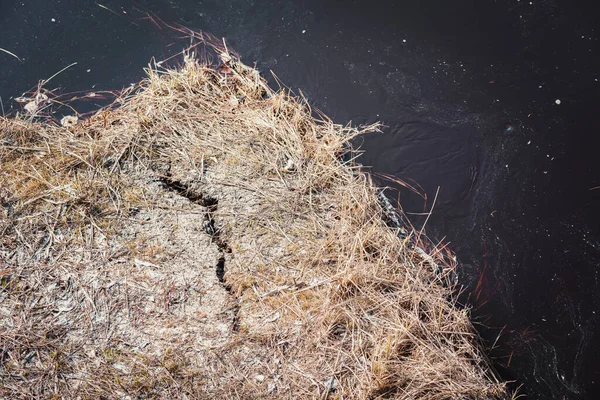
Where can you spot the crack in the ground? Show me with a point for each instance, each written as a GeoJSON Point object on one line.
{"type": "Point", "coordinates": [209, 225]}
{"type": "Point", "coordinates": [210, 203]}
{"type": "Point", "coordinates": [220, 269]}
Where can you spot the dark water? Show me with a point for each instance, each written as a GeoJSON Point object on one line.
{"type": "Point", "coordinates": [468, 92]}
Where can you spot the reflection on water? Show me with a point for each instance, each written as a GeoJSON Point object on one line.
{"type": "Point", "coordinates": [432, 156]}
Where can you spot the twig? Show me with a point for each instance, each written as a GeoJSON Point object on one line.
{"type": "Point", "coordinates": [12, 54]}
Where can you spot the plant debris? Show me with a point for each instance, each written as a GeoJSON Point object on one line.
{"type": "Point", "coordinates": [204, 239]}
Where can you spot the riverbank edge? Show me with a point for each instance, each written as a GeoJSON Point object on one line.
{"type": "Point", "coordinates": [203, 238]}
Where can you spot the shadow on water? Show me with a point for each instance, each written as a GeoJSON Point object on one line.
{"type": "Point", "coordinates": [467, 90]}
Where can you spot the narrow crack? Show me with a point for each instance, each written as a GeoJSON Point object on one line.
{"type": "Point", "coordinates": [209, 225]}
{"type": "Point", "coordinates": [211, 204]}
{"type": "Point", "coordinates": [220, 270]}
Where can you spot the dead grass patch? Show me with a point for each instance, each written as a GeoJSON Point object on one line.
{"type": "Point", "coordinates": [204, 239]}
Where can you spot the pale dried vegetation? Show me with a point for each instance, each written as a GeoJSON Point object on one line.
{"type": "Point", "coordinates": [204, 239]}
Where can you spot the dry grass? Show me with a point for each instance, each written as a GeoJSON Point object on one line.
{"type": "Point", "coordinates": [204, 240]}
